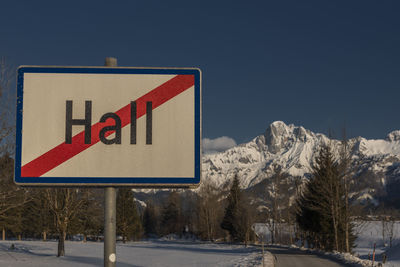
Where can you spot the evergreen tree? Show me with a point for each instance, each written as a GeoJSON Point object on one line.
{"type": "Point", "coordinates": [42, 214]}
{"type": "Point", "coordinates": [128, 221]}
{"type": "Point", "coordinates": [172, 221]}
{"type": "Point", "coordinates": [38, 214]}
{"type": "Point", "coordinates": [150, 220]}
{"type": "Point", "coordinates": [321, 207]}
{"type": "Point", "coordinates": [230, 222]}
{"type": "Point", "coordinates": [16, 221]}
{"type": "Point", "coordinates": [89, 218]}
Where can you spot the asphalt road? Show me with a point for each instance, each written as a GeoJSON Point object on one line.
{"type": "Point", "coordinates": [296, 258]}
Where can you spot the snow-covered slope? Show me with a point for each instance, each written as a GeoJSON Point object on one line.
{"type": "Point", "coordinates": [293, 148]}
{"type": "Point", "coordinates": [375, 164]}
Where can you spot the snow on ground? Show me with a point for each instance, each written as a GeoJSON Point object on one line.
{"type": "Point", "coordinates": [166, 252]}
{"type": "Point", "coordinates": [370, 233]}
{"type": "Point", "coordinates": [143, 253]}
{"type": "Point", "coordinates": [394, 256]}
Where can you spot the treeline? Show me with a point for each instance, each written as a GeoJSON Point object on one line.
{"type": "Point", "coordinates": [211, 214]}
{"type": "Point", "coordinates": [313, 211]}
{"type": "Point", "coordinates": [60, 213]}
{"type": "Point", "coordinates": [65, 213]}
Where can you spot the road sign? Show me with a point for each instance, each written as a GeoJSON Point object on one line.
{"type": "Point", "coordinates": [99, 126]}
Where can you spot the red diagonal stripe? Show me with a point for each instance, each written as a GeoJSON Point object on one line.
{"type": "Point", "coordinates": [64, 152]}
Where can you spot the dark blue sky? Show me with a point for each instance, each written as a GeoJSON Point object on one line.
{"type": "Point", "coordinates": [320, 64]}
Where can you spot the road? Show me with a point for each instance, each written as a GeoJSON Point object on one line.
{"type": "Point", "coordinates": [296, 258]}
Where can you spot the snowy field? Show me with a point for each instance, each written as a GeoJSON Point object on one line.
{"type": "Point", "coordinates": [183, 253]}
{"type": "Point", "coordinates": [370, 232]}
{"type": "Point", "coordinates": [144, 253]}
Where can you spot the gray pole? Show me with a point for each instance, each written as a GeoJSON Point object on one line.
{"type": "Point", "coordinates": [110, 222]}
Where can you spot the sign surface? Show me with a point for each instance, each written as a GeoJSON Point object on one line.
{"type": "Point", "coordinates": [99, 126]}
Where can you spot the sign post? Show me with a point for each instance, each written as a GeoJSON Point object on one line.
{"type": "Point", "coordinates": [108, 127]}
{"type": "Point", "coordinates": [110, 210]}
{"type": "Point", "coordinates": [110, 225]}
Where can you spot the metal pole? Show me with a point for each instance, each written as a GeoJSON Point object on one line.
{"type": "Point", "coordinates": [109, 227]}
{"type": "Point", "coordinates": [110, 222]}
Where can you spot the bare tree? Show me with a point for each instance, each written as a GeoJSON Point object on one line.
{"type": "Point", "coordinates": [11, 196]}
{"type": "Point", "coordinates": [6, 108]}
{"type": "Point", "coordinates": [64, 203]}
{"type": "Point", "coordinates": [246, 220]}
{"type": "Point", "coordinates": [388, 220]}
{"type": "Point", "coordinates": [345, 175]}
{"type": "Point", "coordinates": [275, 208]}
{"type": "Point", "coordinates": [390, 228]}
{"type": "Point", "coordinates": [209, 212]}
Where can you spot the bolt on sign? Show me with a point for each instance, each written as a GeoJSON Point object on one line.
{"type": "Point", "coordinates": [101, 126]}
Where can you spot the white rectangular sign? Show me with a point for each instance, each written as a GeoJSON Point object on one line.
{"type": "Point", "coordinates": [108, 126]}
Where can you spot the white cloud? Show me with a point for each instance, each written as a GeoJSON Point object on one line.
{"type": "Point", "coordinates": [218, 144]}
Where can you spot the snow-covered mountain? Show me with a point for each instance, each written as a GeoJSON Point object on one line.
{"type": "Point", "coordinates": [375, 165]}
{"type": "Point", "coordinates": [293, 148]}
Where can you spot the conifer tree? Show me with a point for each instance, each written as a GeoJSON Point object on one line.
{"type": "Point", "coordinates": [172, 221]}
{"type": "Point", "coordinates": [128, 222]}
{"type": "Point", "coordinates": [321, 207]}
{"type": "Point", "coordinates": [230, 222]}
{"type": "Point", "coordinates": [41, 214]}
{"type": "Point", "coordinates": [90, 217]}
{"type": "Point", "coordinates": [16, 221]}
{"type": "Point", "coordinates": [150, 220]}
{"type": "Point", "coordinates": [38, 215]}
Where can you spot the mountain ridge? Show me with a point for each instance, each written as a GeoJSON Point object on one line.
{"type": "Point", "coordinates": [374, 166]}
{"type": "Point", "coordinates": [374, 162]}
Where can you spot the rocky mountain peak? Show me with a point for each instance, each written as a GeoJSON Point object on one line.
{"type": "Point", "coordinates": [294, 148]}
{"type": "Point", "coordinates": [280, 135]}
{"type": "Point", "coordinates": [393, 136]}
{"type": "Point", "coordinates": [275, 135]}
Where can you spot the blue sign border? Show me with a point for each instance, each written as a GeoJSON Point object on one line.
{"type": "Point", "coordinates": [108, 181]}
